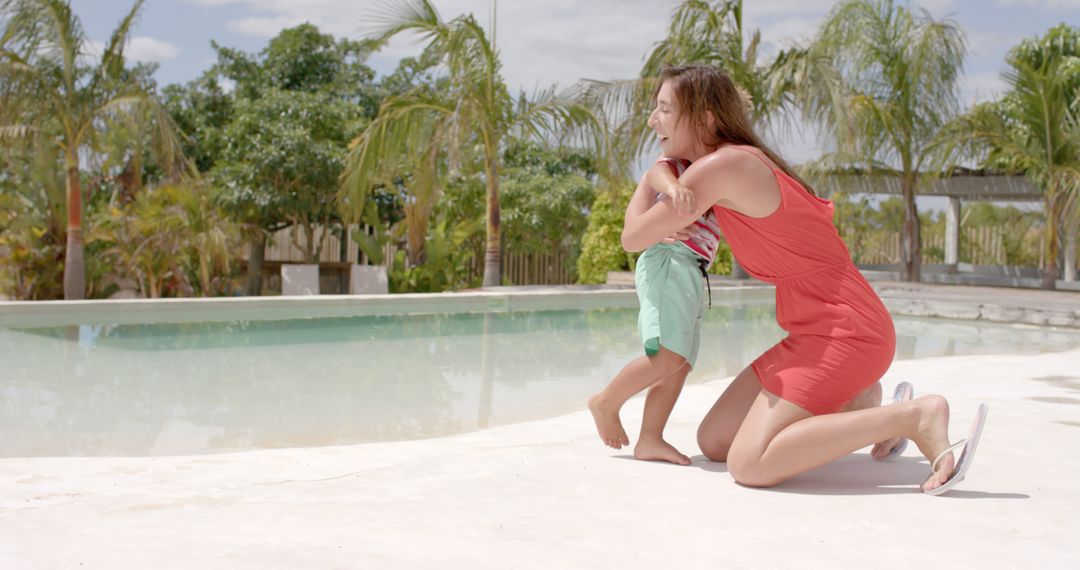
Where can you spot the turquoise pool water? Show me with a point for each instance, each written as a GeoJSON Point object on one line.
{"type": "Point", "coordinates": [196, 388]}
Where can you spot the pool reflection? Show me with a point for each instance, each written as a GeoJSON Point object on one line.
{"type": "Point", "coordinates": [215, 387]}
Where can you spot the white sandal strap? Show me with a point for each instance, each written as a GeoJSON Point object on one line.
{"type": "Point", "coordinates": [948, 450]}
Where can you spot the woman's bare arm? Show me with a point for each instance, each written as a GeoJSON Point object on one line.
{"type": "Point", "coordinates": [644, 228]}
{"type": "Point", "coordinates": [644, 197]}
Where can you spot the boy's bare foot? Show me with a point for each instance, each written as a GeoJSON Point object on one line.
{"type": "Point", "coordinates": [608, 423]}
{"type": "Point", "coordinates": [932, 437]}
{"type": "Point", "coordinates": [653, 449]}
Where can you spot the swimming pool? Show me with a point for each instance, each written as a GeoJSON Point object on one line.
{"type": "Point", "coordinates": [211, 387]}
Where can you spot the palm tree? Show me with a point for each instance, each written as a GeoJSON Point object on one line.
{"type": "Point", "coordinates": [471, 109]}
{"type": "Point", "coordinates": [708, 33]}
{"type": "Point", "coordinates": [712, 33]}
{"type": "Point", "coordinates": [899, 75]}
{"type": "Point", "coordinates": [1034, 128]}
{"type": "Point", "coordinates": [57, 97]}
{"type": "Point", "coordinates": [699, 32]}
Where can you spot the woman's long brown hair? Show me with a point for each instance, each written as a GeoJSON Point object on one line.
{"type": "Point", "coordinates": [704, 89]}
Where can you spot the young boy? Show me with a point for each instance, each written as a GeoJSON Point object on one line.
{"type": "Point", "coordinates": [671, 281]}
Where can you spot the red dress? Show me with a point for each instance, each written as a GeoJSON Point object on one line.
{"type": "Point", "coordinates": [840, 337]}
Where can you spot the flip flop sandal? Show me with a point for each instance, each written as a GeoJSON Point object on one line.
{"type": "Point", "coordinates": [904, 392]}
{"type": "Point", "coordinates": [970, 443]}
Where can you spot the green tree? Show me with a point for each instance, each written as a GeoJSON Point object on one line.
{"type": "Point", "coordinates": [171, 240]}
{"type": "Point", "coordinates": [601, 248]}
{"type": "Point", "coordinates": [547, 196]}
{"type": "Point", "coordinates": [898, 82]}
{"type": "Point", "coordinates": [701, 32]}
{"type": "Point", "coordinates": [290, 145]}
{"type": "Point", "coordinates": [1034, 128]}
{"type": "Point", "coordinates": [32, 218]}
{"type": "Point", "coordinates": [466, 120]}
{"type": "Point", "coordinates": [201, 109]}
{"type": "Point", "coordinates": [52, 95]}
{"type": "Point", "coordinates": [276, 147]}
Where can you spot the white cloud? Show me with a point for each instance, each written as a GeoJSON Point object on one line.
{"type": "Point", "coordinates": [267, 27]}
{"type": "Point", "coordinates": [937, 8]}
{"type": "Point", "coordinates": [991, 45]}
{"type": "Point", "coordinates": [981, 87]}
{"type": "Point", "coordinates": [786, 32]}
{"type": "Point", "coordinates": [147, 49]}
{"type": "Point", "coordinates": [92, 51]}
{"type": "Point", "coordinates": [1044, 4]}
{"type": "Point", "coordinates": [760, 8]}
{"type": "Point", "coordinates": [560, 41]}
{"type": "Point", "coordinates": [138, 48]}
{"type": "Point", "coordinates": [212, 2]}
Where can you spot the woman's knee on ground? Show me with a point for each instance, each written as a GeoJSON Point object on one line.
{"type": "Point", "coordinates": [711, 445]}
{"type": "Point", "coordinates": [746, 468]}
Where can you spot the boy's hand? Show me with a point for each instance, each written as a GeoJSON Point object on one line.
{"type": "Point", "coordinates": [681, 235]}
{"type": "Point", "coordinates": [682, 198]}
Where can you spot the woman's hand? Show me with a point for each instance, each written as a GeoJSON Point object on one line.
{"type": "Point", "coordinates": [681, 235]}
{"type": "Point", "coordinates": [682, 198]}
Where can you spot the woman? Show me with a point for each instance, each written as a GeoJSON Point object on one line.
{"type": "Point", "coordinates": [783, 415]}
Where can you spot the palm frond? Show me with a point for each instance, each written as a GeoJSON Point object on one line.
{"type": "Point", "coordinates": [112, 59]}
{"type": "Point", "coordinates": [67, 37]}
{"type": "Point", "coordinates": [392, 17]}
{"type": "Point", "coordinates": [12, 132]}
{"type": "Point", "coordinates": [384, 144]}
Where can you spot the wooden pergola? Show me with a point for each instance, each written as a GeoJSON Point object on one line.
{"type": "Point", "coordinates": [962, 184]}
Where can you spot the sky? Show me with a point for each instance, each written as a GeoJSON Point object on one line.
{"type": "Point", "coordinates": [549, 42]}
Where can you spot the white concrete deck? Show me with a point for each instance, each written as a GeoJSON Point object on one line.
{"type": "Point", "coordinates": [548, 495]}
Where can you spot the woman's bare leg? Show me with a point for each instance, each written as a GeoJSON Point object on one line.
{"type": "Point", "coordinates": [779, 439]}
{"type": "Point", "coordinates": [636, 376]}
{"type": "Point", "coordinates": [717, 430]}
{"type": "Point", "coordinates": [651, 445]}
{"type": "Point", "coordinates": [871, 398]}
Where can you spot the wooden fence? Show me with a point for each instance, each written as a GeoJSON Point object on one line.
{"type": "Point", "coordinates": [978, 246]}
{"type": "Point", "coordinates": [288, 246]}
{"type": "Point", "coordinates": [555, 268]}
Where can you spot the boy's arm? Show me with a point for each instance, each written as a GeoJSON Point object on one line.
{"type": "Point", "coordinates": [662, 178]}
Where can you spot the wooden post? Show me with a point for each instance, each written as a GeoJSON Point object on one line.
{"type": "Point", "coordinates": [1070, 256]}
{"type": "Point", "coordinates": [952, 234]}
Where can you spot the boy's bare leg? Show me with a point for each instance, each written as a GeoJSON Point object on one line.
{"type": "Point", "coordinates": [636, 376]}
{"type": "Point", "coordinates": [658, 405]}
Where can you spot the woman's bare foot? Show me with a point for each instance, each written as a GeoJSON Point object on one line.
{"type": "Point", "coordinates": [656, 449]}
{"type": "Point", "coordinates": [608, 423]}
{"type": "Point", "coordinates": [883, 449]}
{"type": "Point", "coordinates": [932, 437]}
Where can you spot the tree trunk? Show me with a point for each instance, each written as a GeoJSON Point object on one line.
{"type": "Point", "coordinates": [1050, 265]}
{"type": "Point", "coordinates": [74, 263]}
{"type": "Point", "coordinates": [255, 264]}
{"type": "Point", "coordinates": [310, 253]}
{"type": "Point", "coordinates": [493, 249]}
{"type": "Point", "coordinates": [1070, 256]}
{"type": "Point", "coordinates": [911, 248]}
{"type": "Point", "coordinates": [204, 273]}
